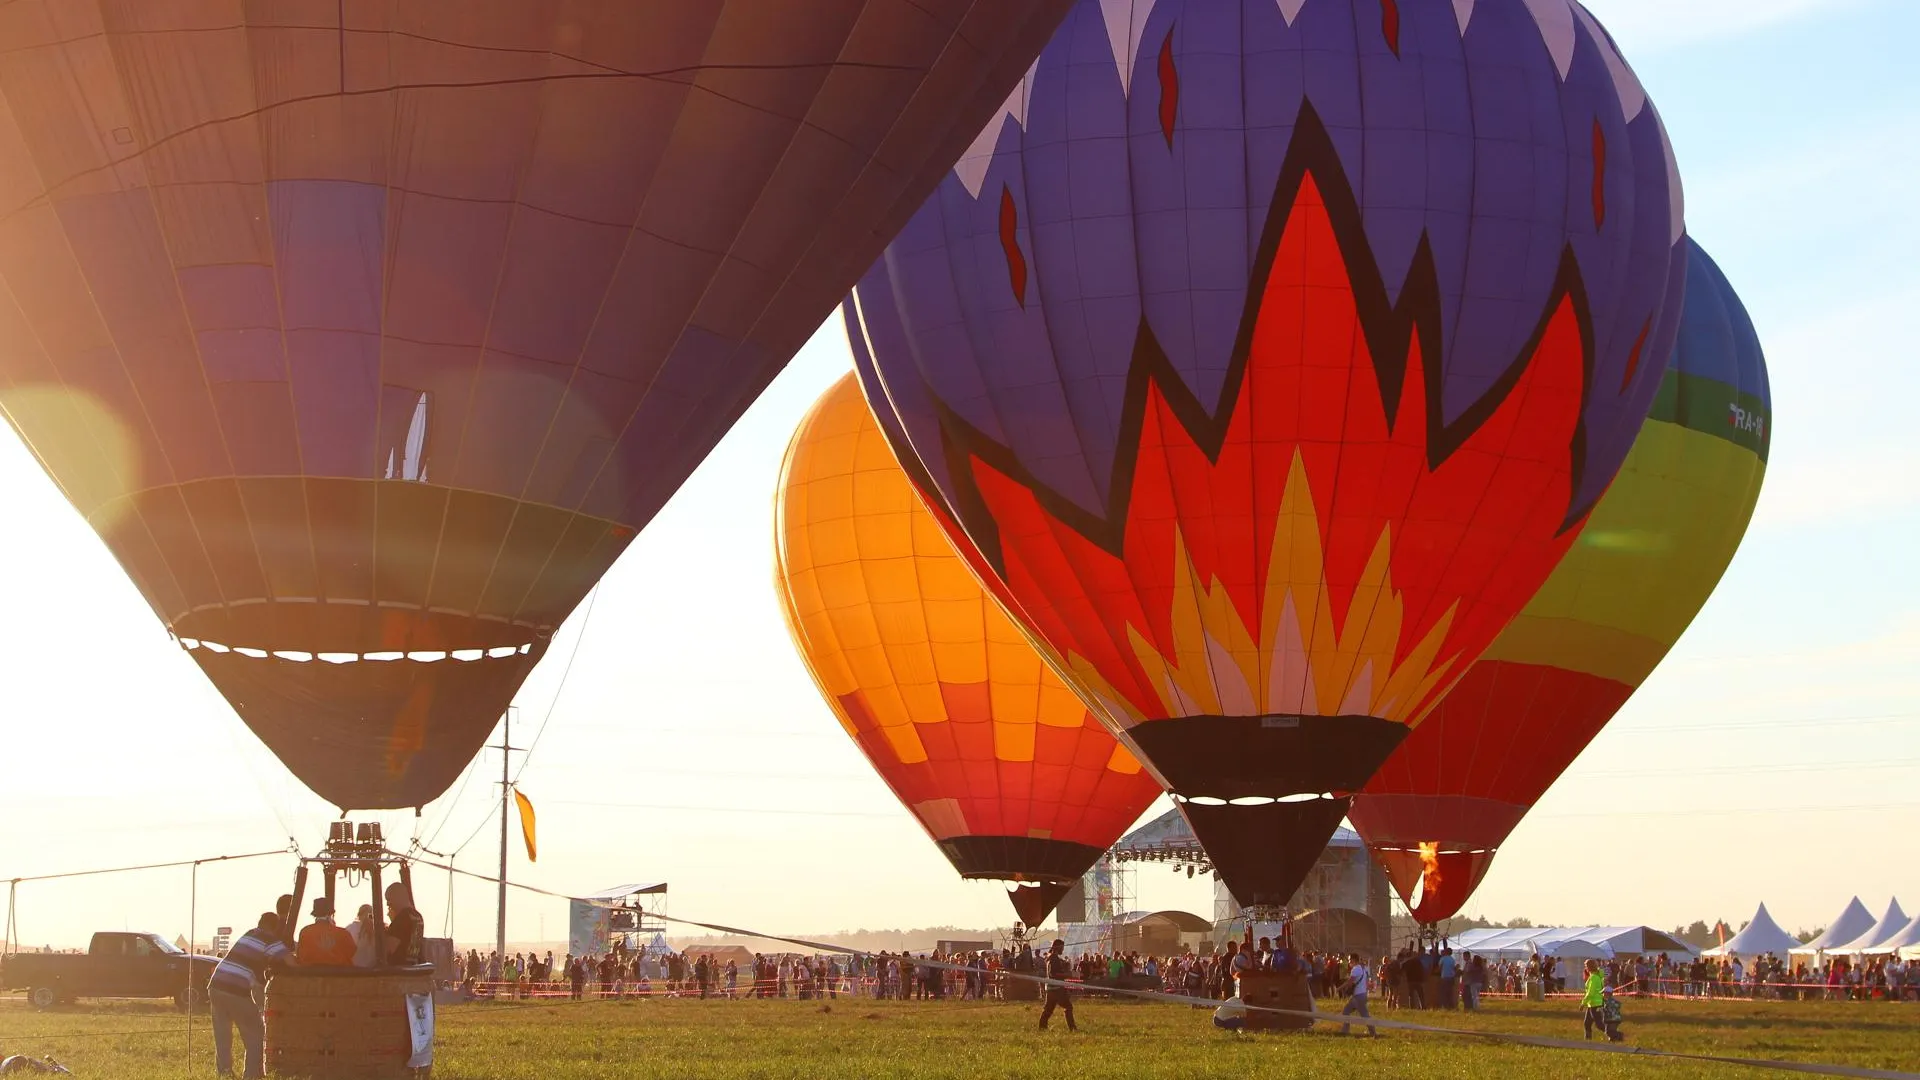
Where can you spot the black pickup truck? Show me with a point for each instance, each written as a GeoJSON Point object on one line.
{"type": "Point", "coordinates": [114, 965]}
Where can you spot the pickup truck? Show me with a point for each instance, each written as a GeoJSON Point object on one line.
{"type": "Point", "coordinates": [114, 965]}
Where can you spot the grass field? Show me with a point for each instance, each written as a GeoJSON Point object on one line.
{"type": "Point", "coordinates": [690, 1039]}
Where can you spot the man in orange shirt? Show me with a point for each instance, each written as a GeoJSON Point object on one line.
{"type": "Point", "coordinates": [322, 943]}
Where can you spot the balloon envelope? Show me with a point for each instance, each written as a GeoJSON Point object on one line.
{"type": "Point", "coordinates": [990, 751]}
{"type": "Point", "coordinates": [1654, 549]}
{"type": "Point", "coordinates": [367, 335]}
{"type": "Point", "coordinates": [1268, 357]}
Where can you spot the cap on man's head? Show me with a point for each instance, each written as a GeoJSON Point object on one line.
{"type": "Point", "coordinates": [322, 907]}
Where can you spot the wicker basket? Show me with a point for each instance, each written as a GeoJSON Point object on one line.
{"type": "Point", "coordinates": [1276, 990]}
{"type": "Point", "coordinates": [342, 1023]}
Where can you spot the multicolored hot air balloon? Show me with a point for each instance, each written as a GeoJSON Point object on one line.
{"type": "Point", "coordinates": [1268, 357]}
{"type": "Point", "coordinates": [995, 757]}
{"type": "Point", "coordinates": [367, 335]}
{"type": "Point", "coordinates": [1650, 555]}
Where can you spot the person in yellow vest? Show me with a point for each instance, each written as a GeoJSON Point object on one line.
{"type": "Point", "coordinates": [1594, 1000]}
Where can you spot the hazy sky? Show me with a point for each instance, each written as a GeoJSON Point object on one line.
{"type": "Point", "coordinates": [1770, 758]}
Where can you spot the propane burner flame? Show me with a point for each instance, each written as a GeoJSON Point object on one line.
{"type": "Point", "coordinates": [1429, 871]}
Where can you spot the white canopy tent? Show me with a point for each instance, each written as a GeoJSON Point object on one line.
{"type": "Point", "coordinates": [1906, 942]}
{"type": "Point", "coordinates": [1761, 936]}
{"type": "Point", "coordinates": [1496, 943]}
{"type": "Point", "coordinates": [1578, 949]}
{"type": "Point", "coordinates": [1849, 924]}
{"type": "Point", "coordinates": [1570, 942]}
{"type": "Point", "coordinates": [1891, 923]}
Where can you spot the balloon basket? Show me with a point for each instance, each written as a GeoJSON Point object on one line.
{"type": "Point", "coordinates": [345, 1023]}
{"type": "Point", "coordinates": [1261, 990]}
{"type": "Point", "coordinates": [1019, 990]}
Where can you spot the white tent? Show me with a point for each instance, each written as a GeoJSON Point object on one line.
{"type": "Point", "coordinates": [1850, 924]}
{"type": "Point", "coordinates": [1578, 949]}
{"type": "Point", "coordinates": [1906, 941]}
{"type": "Point", "coordinates": [1760, 937]}
{"type": "Point", "coordinates": [1890, 924]}
{"type": "Point", "coordinates": [1569, 942]}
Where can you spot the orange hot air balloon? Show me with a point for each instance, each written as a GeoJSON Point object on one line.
{"type": "Point", "coordinates": [367, 335]}
{"type": "Point", "coordinates": [1000, 762]}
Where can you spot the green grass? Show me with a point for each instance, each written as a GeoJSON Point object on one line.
{"type": "Point", "coordinates": [691, 1039]}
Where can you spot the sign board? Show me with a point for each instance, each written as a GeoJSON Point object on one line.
{"type": "Point", "coordinates": [420, 1024]}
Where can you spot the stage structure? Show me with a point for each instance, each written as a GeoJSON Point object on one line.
{"type": "Point", "coordinates": [624, 919]}
{"type": "Point", "coordinates": [1341, 905]}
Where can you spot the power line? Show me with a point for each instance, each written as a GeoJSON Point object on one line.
{"type": "Point", "coordinates": [1750, 725]}
{"type": "Point", "coordinates": [783, 811]}
{"type": "Point", "coordinates": [1722, 811]}
{"type": "Point", "coordinates": [1727, 770]}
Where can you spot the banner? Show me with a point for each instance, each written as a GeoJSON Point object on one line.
{"type": "Point", "coordinates": [420, 1024]}
{"type": "Point", "coordinates": [526, 824]}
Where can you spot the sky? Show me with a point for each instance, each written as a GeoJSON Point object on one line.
{"type": "Point", "coordinates": [676, 736]}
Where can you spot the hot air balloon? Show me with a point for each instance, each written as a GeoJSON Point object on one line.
{"type": "Point", "coordinates": [989, 750]}
{"type": "Point", "coordinates": [1267, 358]}
{"type": "Point", "coordinates": [1651, 554]}
{"type": "Point", "coordinates": [367, 335]}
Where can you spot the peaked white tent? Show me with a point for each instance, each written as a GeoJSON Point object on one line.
{"type": "Point", "coordinates": [1761, 936]}
{"type": "Point", "coordinates": [1890, 924]}
{"type": "Point", "coordinates": [1849, 924]}
{"type": "Point", "coordinates": [1906, 941]}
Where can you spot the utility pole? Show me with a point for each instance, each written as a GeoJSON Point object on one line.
{"type": "Point", "coordinates": [506, 749]}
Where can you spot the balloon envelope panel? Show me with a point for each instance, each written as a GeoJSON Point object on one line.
{"type": "Point", "coordinates": [990, 751]}
{"type": "Point", "coordinates": [374, 328]}
{"type": "Point", "coordinates": [1649, 558]}
{"type": "Point", "coordinates": [1269, 356]}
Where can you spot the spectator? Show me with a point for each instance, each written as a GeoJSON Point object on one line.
{"type": "Point", "coordinates": [1057, 996]}
{"type": "Point", "coordinates": [1357, 996]}
{"type": "Point", "coordinates": [234, 991]}
{"type": "Point", "coordinates": [1594, 1000]}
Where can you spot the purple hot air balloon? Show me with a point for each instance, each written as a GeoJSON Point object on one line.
{"type": "Point", "coordinates": [367, 334]}
{"type": "Point", "coordinates": [1268, 356]}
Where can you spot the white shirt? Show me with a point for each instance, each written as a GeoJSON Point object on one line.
{"type": "Point", "coordinates": [1359, 977]}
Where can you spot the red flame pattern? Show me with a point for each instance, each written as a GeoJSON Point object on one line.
{"type": "Point", "coordinates": [1382, 541]}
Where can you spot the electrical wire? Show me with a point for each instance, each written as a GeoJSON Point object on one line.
{"type": "Point", "coordinates": [722, 809]}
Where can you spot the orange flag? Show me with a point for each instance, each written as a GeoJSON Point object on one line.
{"type": "Point", "coordinates": [526, 824]}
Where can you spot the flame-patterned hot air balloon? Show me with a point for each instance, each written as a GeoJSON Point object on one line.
{"type": "Point", "coordinates": [1268, 356]}
{"type": "Point", "coordinates": [995, 757]}
{"type": "Point", "coordinates": [367, 335]}
{"type": "Point", "coordinates": [1651, 554]}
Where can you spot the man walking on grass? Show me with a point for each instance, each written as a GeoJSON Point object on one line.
{"type": "Point", "coordinates": [1357, 995]}
{"type": "Point", "coordinates": [1058, 969]}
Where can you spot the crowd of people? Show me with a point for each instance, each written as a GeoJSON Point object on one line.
{"type": "Point", "coordinates": [1762, 977]}
{"type": "Point", "coordinates": [1429, 977]}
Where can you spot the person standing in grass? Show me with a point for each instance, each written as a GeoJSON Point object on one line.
{"type": "Point", "coordinates": [1594, 1000]}
{"type": "Point", "coordinates": [234, 992]}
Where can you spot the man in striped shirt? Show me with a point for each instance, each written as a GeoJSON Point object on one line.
{"type": "Point", "coordinates": [234, 991]}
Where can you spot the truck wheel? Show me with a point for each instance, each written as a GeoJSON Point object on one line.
{"type": "Point", "coordinates": [184, 1000]}
{"type": "Point", "coordinates": [43, 997]}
